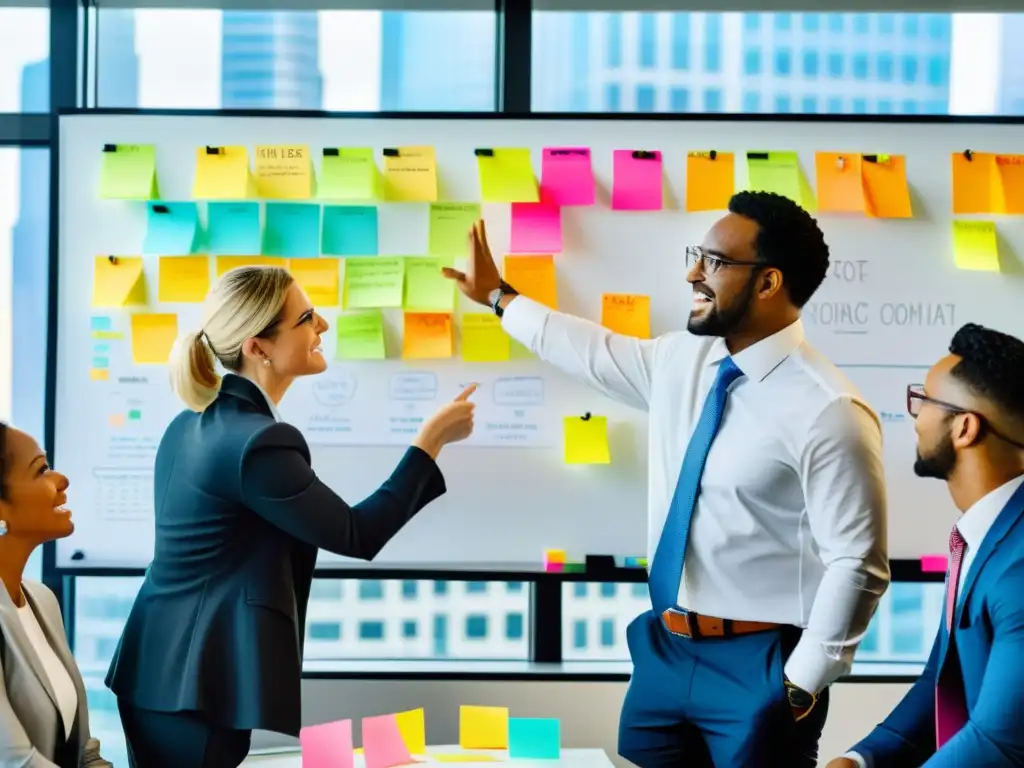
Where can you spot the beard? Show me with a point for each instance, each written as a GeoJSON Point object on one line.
{"type": "Point", "coordinates": [939, 462]}
{"type": "Point", "coordinates": [721, 321]}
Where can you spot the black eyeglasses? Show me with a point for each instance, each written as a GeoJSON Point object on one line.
{"type": "Point", "coordinates": [710, 264]}
{"type": "Point", "coordinates": [916, 399]}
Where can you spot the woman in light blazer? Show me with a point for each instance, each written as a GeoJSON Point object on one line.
{"type": "Point", "coordinates": [44, 721]}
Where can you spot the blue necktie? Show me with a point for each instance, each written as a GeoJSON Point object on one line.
{"type": "Point", "coordinates": [667, 568]}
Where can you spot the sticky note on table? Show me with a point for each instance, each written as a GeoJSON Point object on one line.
{"type": "Point", "coordinates": [627, 313]}
{"type": "Point", "coordinates": [349, 173]}
{"type": "Point", "coordinates": [566, 176]}
{"type": "Point", "coordinates": [427, 335]}
{"type": "Point", "coordinates": [483, 727]}
{"type": "Point", "coordinates": [777, 172]}
{"type": "Point", "coordinates": [976, 246]}
{"type": "Point", "coordinates": [284, 172]}
{"type": "Point", "coordinates": [533, 277]}
{"type": "Point", "coordinates": [183, 279]}
{"type": "Point", "coordinates": [536, 228]}
{"type": "Point", "coordinates": [450, 224]}
{"type": "Point", "coordinates": [586, 440]}
{"type": "Point", "coordinates": [328, 745]}
{"type": "Point", "coordinates": [120, 283]}
{"type": "Point", "coordinates": [710, 181]}
{"type": "Point", "coordinates": [227, 263]}
{"type": "Point", "coordinates": [886, 193]}
{"type": "Point", "coordinates": [636, 180]}
{"type": "Point", "coordinates": [373, 282]}
{"type": "Point", "coordinates": [413, 727]}
{"type": "Point", "coordinates": [292, 229]}
{"type": "Point", "coordinates": [410, 174]}
{"type": "Point", "coordinates": [350, 230]}
{"type": "Point", "coordinates": [1011, 176]}
{"type": "Point", "coordinates": [318, 278]}
{"type": "Point", "coordinates": [840, 182]}
{"type": "Point", "coordinates": [534, 738]}
{"type": "Point", "coordinates": [360, 335]}
{"type": "Point", "coordinates": [153, 335]}
{"type": "Point", "coordinates": [234, 228]}
{"type": "Point", "coordinates": [484, 340]}
{"type": "Point", "coordinates": [222, 173]}
{"type": "Point", "coordinates": [426, 289]}
{"type": "Point", "coordinates": [506, 175]}
{"type": "Point", "coordinates": [128, 172]}
{"type": "Point", "coordinates": [383, 746]}
{"type": "Point", "coordinates": [171, 228]}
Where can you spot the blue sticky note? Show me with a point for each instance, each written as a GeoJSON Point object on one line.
{"type": "Point", "coordinates": [172, 229]}
{"type": "Point", "coordinates": [100, 323]}
{"type": "Point", "coordinates": [292, 230]}
{"type": "Point", "coordinates": [234, 229]}
{"type": "Point", "coordinates": [101, 349]}
{"type": "Point", "coordinates": [350, 230]}
{"type": "Point", "coordinates": [534, 738]}
{"type": "Point", "coordinates": [100, 362]}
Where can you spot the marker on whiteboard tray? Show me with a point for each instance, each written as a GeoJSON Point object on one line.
{"type": "Point", "coordinates": [483, 152]}
{"type": "Point", "coordinates": [642, 154]}
{"type": "Point", "coordinates": [215, 150]}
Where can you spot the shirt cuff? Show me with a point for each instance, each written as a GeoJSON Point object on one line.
{"type": "Point", "coordinates": [809, 668]}
{"type": "Point", "coordinates": [859, 759]}
{"type": "Point", "coordinates": [523, 319]}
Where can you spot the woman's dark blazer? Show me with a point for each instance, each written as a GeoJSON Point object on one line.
{"type": "Point", "coordinates": [219, 623]}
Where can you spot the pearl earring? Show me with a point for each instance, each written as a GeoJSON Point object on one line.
{"type": "Point", "coordinates": [3, 527]}
{"type": "Point", "coordinates": [266, 361]}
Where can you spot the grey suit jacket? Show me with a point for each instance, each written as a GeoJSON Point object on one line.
{"type": "Point", "coordinates": [31, 728]}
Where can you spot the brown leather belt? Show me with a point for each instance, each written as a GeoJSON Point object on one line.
{"type": "Point", "coordinates": [695, 626]}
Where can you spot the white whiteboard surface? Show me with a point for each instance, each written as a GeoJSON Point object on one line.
{"type": "Point", "coordinates": [505, 506]}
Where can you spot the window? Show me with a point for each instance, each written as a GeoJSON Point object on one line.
{"type": "Point", "coordinates": [937, 70]}
{"type": "Point", "coordinates": [579, 634]}
{"type": "Point", "coordinates": [514, 626]}
{"type": "Point", "coordinates": [835, 65]}
{"type": "Point", "coordinates": [613, 97]}
{"type": "Point", "coordinates": [809, 105]}
{"type": "Point", "coordinates": [324, 630]}
{"type": "Point", "coordinates": [371, 630]}
{"type": "Point", "coordinates": [886, 24]}
{"type": "Point", "coordinates": [713, 100]}
{"type": "Point", "coordinates": [371, 589]}
{"type": "Point", "coordinates": [579, 589]}
{"type": "Point", "coordinates": [325, 589]}
{"type": "Point", "coordinates": [909, 69]}
{"type": "Point", "coordinates": [476, 587]}
{"type": "Point", "coordinates": [681, 41]}
{"type": "Point", "coordinates": [885, 106]}
{"type": "Point", "coordinates": [752, 61]}
{"type": "Point", "coordinates": [751, 22]}
{"type": "Point", "coordinates": [409, 590]}
{"type": "Point", "coordinates": [440, 636]}
{"type": "Point", "coordinates": [440, 588]}
{"type": "Point", "coordinates": [811, 22]}
{"type": "Point", "coordinates": [834, 105]}
{"type": "Point", "coordinates": [835, 23]}
{"type": "Point", "coordinates": [810, 63]}
{"type": "Point", "coordinates": [861, 23]}
{"type": "Point", "coordinates": [680, 98]}
{"type": "Point", "coordinates": [911, 25]}
{"type": "Point", "coordinates": [783, 103]}
{"type": "Point", "coordinates": [860, 66]}
{"type": "Point", "coordinates": [884, 67]}
{"type": "Point", "coordinates": [713, 42]}
{"type": "Point", "coordinates": [645, 98]}
{"type": "Point", "coordinates": [410, 630]}
{"type": "Point", "coordinates": [783, 21]}
{"type": "Point", "coordinates": [514, 586]}
{"type": "Point", "coordinates": [608, 633]}
{"type": "Point", "coordinates": [751, 101]}
{"type": "Point", "coordinates": [24, 59]}
{"type": "Point", "coordinates": [647, 50]}
{"type": "Point", "coordinates": [783, 62]}
{"type": "Point", "coordinates": [909, 107]}
{"type": "Point", "coordinates": [476, 627]}
{"type": "Point", "coordinates": [613, 41]}
{"type": "Point", "coordinates": [608, 589]}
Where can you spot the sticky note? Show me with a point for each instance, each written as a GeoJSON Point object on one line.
{"type": "Point", "coordinates": [153, 336]}
{"type": "Point", "coordinates": [934, 563]}
{"type": "Point", "coordinates": [410, 174]}
{"type": "Point", "coordinates": [318, 278]}
{"type": "Point", "coordinates": [484, 340]}
{"type": "Point", "coordinates": [119, 284]}
{"type": "Point", "coordinates": [128, 172]}
{"type": "Point", "coordinates": [284, 172]}
{"type": "Point", "coordinates": [483, 727]}
{"type": "Point", "coordinates": [97, 374]}
{"type": "Point", "coordinates": [349, 173]}
{"type": "Point", "coordinates": [886, 193]}
{"type": "Point", "coordinates": [976, 246]}
{"type": "Point", "coordinates": [627, 313]}
{"type": "Point", "coordinates": [360, 335]}
{"type": "Point", "coordinates": [427, 335]}
{"type": "Point", "coordinates": [227, 263]}
{"type": "Point", "coordinates": [450, 224]}
{"type": "Point", "coordinates": [533, 277]}
{"type": "Point", "coordinates": [554, 557]}
{"type": "Point", "coordinates": [328, 745]}
{"type": "Point", "coordinates": [536, 228]}
{"type": "Point", "coordinates": [534, 738]}
{"type": "Point", "coordinates": [976, 184]}
{"type": "Point", "coordinates": [586, 440]}
{"type": "Point", "coordinates": [100, 323]}
{"type": "Point", "coordinates": [350, 230]}
{"type": "Point", "coordinates": [373, 282]}
{"type": "Point", "coordinates": [1011, 176]}
{"type": "Point", "coordinates": [183, 279]}
{"type": "Point", "coordinates": [506, 175]}
{"type": "Point", "coordinates": [412, 726]}
{"type": "Point", "coordinates": [566, 176]}
{"type": "Point", "coordinates": [292, 229]}
{"type": "Point", "coordinates": [222, 173]}
{"type": "Point", "coordinates": [171, 228]}
{"type": "Point", "coordinates": [636, 180]}
{"type": "Point", "coordinates": [383, 746]}
{"type": "Point", "coordinates": [426, 289]}
{"type": "Point", "coordinates": [777, 172]}
{"type": "Point", "coordinates": [710, 181]}
{"type": "Point", "coordinates": [840, 182]}
{"type": "Point", "coordinates": [234, 228]}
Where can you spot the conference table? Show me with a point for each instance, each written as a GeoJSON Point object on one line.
{"type": "Point", "coordinates": [570, 758]}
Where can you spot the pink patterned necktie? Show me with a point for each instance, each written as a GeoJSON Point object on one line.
{"type": "Point", "coordinates": [950, 706]}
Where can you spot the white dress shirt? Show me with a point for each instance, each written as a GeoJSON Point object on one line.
{"type": "Point", "coordinates": [973, 525]}
{"type": "Point", "coordinates": [790, 523]}
{"type": "Point", "coordinates": [60, 680]}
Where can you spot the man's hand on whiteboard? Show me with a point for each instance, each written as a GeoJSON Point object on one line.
{"type": "Point", "coordinates": [454, 422]}
{"type": "Point", "coordinates": [481, 276]}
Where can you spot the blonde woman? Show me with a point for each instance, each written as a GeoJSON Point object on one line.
{"type": "Point", "coordinates": [213, 645]}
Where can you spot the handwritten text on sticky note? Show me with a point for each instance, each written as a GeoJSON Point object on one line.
{"type": "Point", "coordinates": [627, 313]}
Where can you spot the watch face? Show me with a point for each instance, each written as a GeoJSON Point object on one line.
{"type": "Point", "coordinates": [493, 296]}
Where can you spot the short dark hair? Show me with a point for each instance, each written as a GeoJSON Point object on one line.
{"type": "Point", "coordinates": [789, 239]}
{"type": "Point", "coordinates": [992, 366]}
{"type": "Point", "coordinates": [3, 460]}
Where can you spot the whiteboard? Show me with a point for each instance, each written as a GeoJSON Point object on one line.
{"type": "Point", "coordinates": [887, 310]}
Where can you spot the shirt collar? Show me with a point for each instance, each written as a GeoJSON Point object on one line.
{"type": "Point", "coordinates": [760, 359]}
{"type": "Point", "coordinates": [974, 524]}
{"type": "Point", "coordinates": [270, 403]}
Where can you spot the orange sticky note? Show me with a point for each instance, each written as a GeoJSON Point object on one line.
{"type": "Point", "coordinates": [710, 182]}
{"type": "Point", "coordinates": [99, 374]}
{"type": "Point", "coordinates": [227, 263]}
{"type": "Point", "coordinates": [318, 278]}
{"type": "Point", "coordinates": [886, 194]}
{"type": "Point", "coordinates": [840, 185]}
{"type": "Point", "coordinates": [427, 335]}
{"type": "Point", "coordinates": [627, 313]}
{"type": "Point", "coordinates": [533, 277]}
{"type": "Point", "coordinates": [1011, 174]}
{"type": "Point", "coordinates": [976, 183]}
{"type": "Point", "coordinates": [483, 727]}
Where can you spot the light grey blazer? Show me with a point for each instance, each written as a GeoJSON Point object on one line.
{"type": "Point", "coordinates": [31, 727]}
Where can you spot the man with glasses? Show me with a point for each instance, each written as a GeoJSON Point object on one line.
{"type": "Point", "coordinates": [967, 708]}
{"type": "Point", "coordinates": [765, 477]}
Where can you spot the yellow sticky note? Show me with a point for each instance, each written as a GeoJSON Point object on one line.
{"type": "Point", "coordinates": [410, 175]}
{"type": "Point", "coordinates": [184, 278]}
{"type": "Point", "coordinates": [128, 172]}
{"type": "Point", "coordinates": [506, 176]}
{"type": "Point", "coordinates": [586, 440]}
{"type": "Point", "coordinates": [627, 313]}
{"type": "Point", "coordinates": [318, 278]}
{"type": "Point", "coordinates": [533, 277]}
{"type": "Point", "coordinates": [483, 727]}
{"type": "Point", "coordinates": [284, 172]}
{"type": "Point", "coordinates": [484, 340]}
{"type": "Point", "coordinates": [153, 336]}
{"type": "Point", "coordinates": [464, 757]}
{"type": "Point", "coordinates": [118, 281]}
{"type": "Point", "coordinates": [99, 374]}
{"type": "Point", "coordinates": [227, 263]}
{"type": "Point", "coordinates": [426, 289]}
{"type": "Point", "coordinates": [975, 246]}
{"type": "Point", "coordinates": [427, 335]}
{"type": "Point", "coordinates": [412, 726]}
{"type": "Point", "coordinates": [222, 173]}
{"type": "Point", "coordinates": [371, 282]}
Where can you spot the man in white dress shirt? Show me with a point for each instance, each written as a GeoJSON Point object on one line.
{"type": "Point", "coordinates": [765, 476]}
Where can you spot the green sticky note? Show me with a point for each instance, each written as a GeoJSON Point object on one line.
{"type": "Point", "coordinates": [450, 224]}
{"type": "Point", "coordinates": [128, 172]}
{"type": "Point", "coordinates": [373, 282]}
{"type": "Point", "coordinates": [534, 738]}
{"type": "Point", "coordinates": [361, 336]}
{"type": "Point", "coordinates": [779, 172]}
{"type": "Point", "coordinates": [426, 289]}
{"type": "Point", "coordinates": [349, 173]}
{"type": "Point", "coordinates": [506, 176]}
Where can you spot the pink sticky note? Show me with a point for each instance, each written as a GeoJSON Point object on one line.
{"type": "Point", "coordinates": [636, 180]}
{"type": "Point", "coordinates": [328, 745]}
{"type": "Point", "coordinates": [566, 177]}
{"type": "Point", "coordinates": [934, 563]}
{"type": "Point", "coordinates": [536, 228]}
{"type": "Point", "coordinates": [383, 745]}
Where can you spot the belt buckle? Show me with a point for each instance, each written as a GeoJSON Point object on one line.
{"type": "Point", "coordinates": [689, 618]}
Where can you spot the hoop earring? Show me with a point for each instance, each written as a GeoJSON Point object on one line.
{"type": "Point", "coordinates": [3, 527]}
